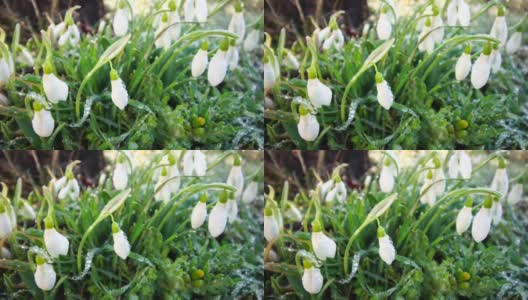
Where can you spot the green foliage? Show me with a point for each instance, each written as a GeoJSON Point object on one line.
{"type": "Point", "coordinates": [428, 100]}
{"type": "Point", "coordinates": [430, 255]}
{"type": "Point", "coordinates": [164, 99]}
{"type": "Point", "coordinates": [166, 258]}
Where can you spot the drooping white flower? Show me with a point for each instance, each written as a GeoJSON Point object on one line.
{"type": "Point", "coordinates": [250, 193]}
{"type": "Point", "coordinates": [428, 191]}
{"type": "Point", "coordinates": [335, 39]}
{"type": "Point", "coordinates": [200, 10]}
{"type": "Point", "coordinates": [55, 89]}
{"type": "Point", "coordinates": [45, 276]}
{"type": "Point", "coordinates": [426, 38]}
{"type": "Point", "coordinates": [163, 37]}
{"type": "Point", "coordinates": [67, 186]}
{"type": "Point", "coordinates": [318, 93]}
{"type": "Point", "coordinates": [200, 60]}
{"type": "Point", "coordinates": [252, 40]}
{"type": "Point", "coordinates": [323, 246]}
{"type": "Point", "coordinates": [458, 10]}
{"type": "Point", "coordinates": [516, 194]}
{"type": "Point", "coordinates": [308, 126]}
{"type": "Point", "coordinates": [25, 57]}
{"type": "Point", "coordinates": [5, 223]}
{"type": "Point", "coordinates": [385, 97]}
{"type": "Point", "coordinates": [325, 187]}
{"type": "Point", "coordinates": [236, 177]}
{"type": "Point", "coordinates": [7, 67]}
{"type": "Point", "coordinates": [499, 30]}
{"type": "Point", "coordinates": [270, 76]}
{"type": "Point", "coordinates": [437, 26]}
{"type": "Point", "coordinates": [386, 248]}
{"type": "Point", "coordinates": [56, 31]}
{"type": "Point", "coordinates": [496, 211]}
{"type": "Point", "coordinates": [26, 211]}
{"type": "Point", "coordinates": [438, 177]}
{"type": "Point", "coordinates": [514, 43]}
{"type": "Point", "coordinates": [384, 26]}
{"type": "Point", "coordinates": [321, 35]}
{"type": "Point", "coordinates": [173, 173]}
{"type": "Point", "coordinates": [463, 220]}
{"type": "Point", "coordinates": [119, 92]}
{"type": "Point", "coordinates": [338, 191]}
{"type": "Point", "coordinates": [162, 187]}
{"type": "Point", "coordinates": [481, 68]}
{"type": "Point", "coordinates": [460, 164]}
{"type": "Point", "coordinates": [386, 178]}
{"type": "Point", "coordinates": [495, 59]}
{"type": "Point", "coordinates": [71, 36]}
{"type": "Point", "coordinates": [237, 25]}
{"type": "Point", "coordinates": [233, 55]}
{"type": "Point", "coordinates": [121, 244]}
{"type": "Point", "coordinates": [56, 243]}
{"type": "Point", "coordinates": [120, 23]}
{"type": "Point", "coordinates": [120, 175]}
{"type": "Point", "coordinates": [293, 213]}
{"type": "Point", "coordinates": [463, 65]}
{"type": "Point", "coordinates": [312, 279]}
{"type": "Point", "coordinates": [199, 212]}
{"type": "Point", "coordinates": [482, 222]}
{"type": "Point", "coordinates": [271, 225]}
{"type": "Point", "coordinates": [42, 122]}
{"type": "Point", "coordinates": [188, 10]}
{"type": "Point", "coordinates": [500, 182]}
{"type": "Point", "coordinates": [174, 22]}
{"type": "Point", "coordinates": [218, 217]}
{"type": "Point", "coordinates": [218, 66]}
{"type": "Point", "coordinates": [194, 161]}
{"type": "Point", "coordinates": [290, 60]}
{"type": "Point", "coordinates": [232, 208]}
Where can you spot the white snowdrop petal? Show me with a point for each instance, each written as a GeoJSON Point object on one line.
{"type": "Point", "coordinates": [55, 89]}
{"type": "Point", "coordinates": [386, 180]}
{"type": "Point", "coordinates": [516, 193]}
{"type": "Point", "coordinates": [463, 220]}
{"type": "Point", "coordinates": [438, 29]}
{"type": "Point", "coordinates": [233, 59]}
{"type": "Point", "coordinates": [217, 68]}
{"type": "Point", "coordinates": [271, 228]}
{"type": "Point", "coordinates": [236, 179]}
{"type": "Point", "coordinates": [480, 71]}
{"type": "Point", "coordinates": [45, 277]}
{"type": "Point", "coordinates": [121, 244]}
{"type": "Point", "coordinates": [252, 40]}
{"type": "Point", "coordinates": [312, 280]}
{"type": "Point", "coordinates": [385, 97]}
{"type": "Point", "coordinates": [308, 127]}
{"type": "Point", "coordinates": [269, 76]}
{"type": "Point", "coordinates": [119, 94]}
{"type": "Point", "coordinates": [188, 10]}
{"type": "Point", "coordinates": [481, 225]}
{"type": "Point", "coordinates": [465, 166]}
{"type": "Point", "coordinates": [323, 246]}
{"type": "Point", "coordinates": [384, 27]}
{"type": "Point", "coordinates": [500, 181]}
{"type": "Point", "coordinates": [464, 14]}
{"type": "Point", "coordinates": [200, 163]}
{"type": "Point", "coordinates": [232, 210]}
{"type": "Point", "coordinates": [496, 212]}
{"type": "Point", "coordinates": [120, 23]}
{"type": "Point", "coordinates": [188, 163]}
{"type": "Point", "coordinates": [43, 123]}
{"type": "Point", "coordinates": [201, 10]}
{"type": "Point", "coordinates": [499, 30]}
{"type": "Point", "coordinates": [217, 219]}
{"type": "Point", "coordinates": [514, 43]}
{"type": "Point", "coordinates": [120, 176]}
{"type": "Point", "coordinates": [198, 215]}
{"type": "Point", "coordinates": [237, 24]}
{"type": "Point", "coordinates": [199, 63]}
{"type": "Point", "coordinates": [318, 93]}
{"type": "Point", "coordinates": [463, 66]}
{"type": "Point", "coordinates": [386, 249]}
{"type": "Point", "coordinates": [56, 243]}
{"type": "Point", "coordinates": [5, 226]}
{"type": "Point", "coordinates": [250, 193]}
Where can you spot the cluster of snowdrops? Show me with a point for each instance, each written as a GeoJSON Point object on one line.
{"type": "Point", "coordinates": [433, 176]}
{"type": "Point", "coordinates": [432, 28]}
{"type": "Point", "coordinates": [168, 27]}
{"type": "Point", "coordinates": [167, 177]}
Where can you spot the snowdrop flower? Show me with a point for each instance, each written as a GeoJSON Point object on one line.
{"type": "Point", "coordinates": [174, 22]}
{"type": "Point", "coordinates": [321, 35]}
{"type": "Point", "coordinates": [426, 38]}
{"type": "Point", "coordinates": [219, 63]}
{"type": "Point", "coordinates": [121, 172]}
{"type": "Point", "coordinates": [386, 248]}
{"type": "Point", "coordinates": [495, 59]}
{"type": "Point", "coordinates": [250, 193]}
{"type": "Point", "coordinates": [308, 126]}
{"type": "Point", "coordinates": [385, 97]}
{"type": "Point", "coordinates": [163, 187]}
{"type": "Point", "coordinates": [460, 163]}
{"type": "Point", "coordinates": [428, 191]}
{"type": "Point", "coordinates": [200, 60]}
{"type": "Point", "coordinates": [499, 30]}
{"type": "Point", "coordinates": [199, 212]}
{"type": "Point", "coordinates": [45, 276]}
{"type": "Point", "coordinates": [481, 69]}
{"type": "Point", "coordinates": [194, 161]}
{"type": "Point", "coordinates": [55, 89]}
{"type": "Point", "coordinates": [7, 67]}
{"type": "Point", "coordinates": [218, 217]}
{"type": "Point", "coordinates": [463, 220]}
{"type": "Point", "coordinates": [163, 34]}
{"type": "Point", "coordinates": [384, 26]}
{"type": "Point", "coordinates": [496, 211]}
{"type": "Point", "coordinates": [514, 43]}
{"type": "Point", "coordinates": [516, 194]}
{"type": "Point", "coordinates": [200, 10]}
{"type": "Point", "coordinates": [121, 244]}
{"type": "Point", "coordinates": [188, 10]}
{"type": "Point", "coordinates": [71, 36]}
{"type": "Point", "coordinates": [386, 179]}
{"type": "Point", "coordinates": [42, 122]}
{"type": "Point", "coordinates": [233, 55]}
{"type": "Point", "coordinates": [270, 77]}
{"type": "Point", "coordinates": [56, 31]}
{"type": "Point", "coordinates": [120, 23]}
{"type": "Point", "coordinates": [173, 172]}
{"type": "Point", "coordinates": [271, 225]}
{"type": "Point", "coordinates": [458, 10]}
{"type": "Point", "coordinates": [67, 186]}
{"type": "Point", "coordinates": [437, 26]}
{"type": "Point", "coordinates": [312, 279]}
{"type": "Point", "coordinates": [482, 222]}
{"type": "Point", "coordinates": [5, 222]}
{"type": "Point", "coordinates": [290, 60]}
{"type": "Point", "coordinates": [237, 25]}
{"type": "Point", "coordinates": [119, 92]}
{"type": "Point", "coordinates": [338, 191]}
{"type": "Point", "coordinates": [25, 58]}
{"type": "Point", "coordinates": [318, 93]}
{"type": "Point", "coordinates": [232, 208]}
{"type": "Point", "coordinates": [26, 210]}
{"type": "Point", "coordinates": [438, 177]}
{"type": "Point", "coordinates": [252, 40]}
{"type": "Point", "coordinates": [323, 246]}
{"type": "Point", "coordinates": [56, 243]}
{"type": "Point", "coordinates": [293, 213]}
{"type": "Point", "coordinates": [335, 38]}
{"type": "Point", "coordinates": [500, 182]}
{"type": "Point", "coordinates": [236, 177]}
{"type": "Point", "coordinates": [325, 187]}
{"type": "Point", "coordinates": [463, 65]}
